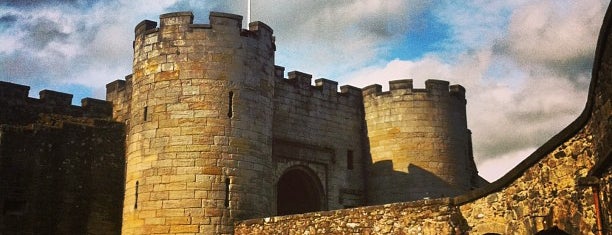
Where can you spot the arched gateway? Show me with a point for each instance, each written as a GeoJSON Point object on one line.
{"type": "Point", "coordinates": [299, 190]}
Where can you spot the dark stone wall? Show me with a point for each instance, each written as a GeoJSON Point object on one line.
{"type": "Point", "coordinates": [63, 179]}
{"type": "Point", "coordinates": [61, 166]}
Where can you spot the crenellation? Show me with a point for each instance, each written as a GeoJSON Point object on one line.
{"type": "Point", "coordinates": [405, 84]}
{"type": "Point", "coordinates": [279, 72]}
{"type": "Point", "coordinates": [55, 98]}
{"type": "Point", "coordinates": [437, 87]}
{"type": "Point", "coordinates": [17, 108]}
{"type": "Point", "coordinates": [300, 79]}
{"type": "Point", "coordinates": [96, 108]}
{"type": "Point", "coordinates": [405, 88]}
{"type": "Point", "coordinates": [350, 91]}
{"type": "Point", "coordinates": [262, 29]}
{"type": "Point", "coordinates": [207, 132]}
{"type": "Point", "coordinates": [115, 86]}
{"type": "Point", "coordinates": [328, 87]}
{"type": "Point", "coordinates": [184, 18]}
{"type": "Point", "coordinates": [144, 27]}
{"type": "Point", "coordinates": [13, 91]}
{"type": "Point", "coordinates": [372, 90]}
{"type": "Point", "coordinates": [457, 91]}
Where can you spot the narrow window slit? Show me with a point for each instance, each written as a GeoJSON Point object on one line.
{"type": "Point", "coordinates": [145, 113]}
{"type": "Point", "coordinates": [230, 104]}
{"type": "Point", "coordinates": [136, 196]}
{"type": "Point", "coordinates": [227, 184]}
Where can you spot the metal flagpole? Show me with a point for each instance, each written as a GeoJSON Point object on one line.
{"type": "Point", "coordinates": [248, 12]}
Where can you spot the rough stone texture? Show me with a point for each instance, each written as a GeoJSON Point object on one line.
{"type": "Point", "coordinates": [213, 128]}
{"type": "Point", "coordinates": [316, 127]}
{"type": "Point", "coordinates": [434, 158]}
{"type": "Point", "coordinates": [546, 194]}
{"type": "Point", "coordinates": [565, 185]}
{"type": "Point", "coordinates": [61, 171]}
{"type": "Point", "coordinates": [418, 217]}
{"type": "Point", "coordinates": [199, 133]}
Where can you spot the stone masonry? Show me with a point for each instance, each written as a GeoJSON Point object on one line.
{"type": "Point", "coordinates": [216, 134]}
{"type": "Point", "coordinates": [207, 136]}
{"type": "Point", "coordinates": [61, 166]}
{"type": "Point", "coordinates": [564, 187]}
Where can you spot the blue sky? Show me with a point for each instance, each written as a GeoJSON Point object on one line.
{"type": "Point", "coordinates": [525, 64]}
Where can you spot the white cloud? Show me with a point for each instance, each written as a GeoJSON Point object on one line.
{"type": "Point", "coordinates": [493, 169]}
{"type": "Point", "coordinates": [328, 38]}
{"type": "Point", "coordinates": [554, 31]}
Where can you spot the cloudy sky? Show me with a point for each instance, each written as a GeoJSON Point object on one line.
{"type": "Point", "coordinates": [525, 63]}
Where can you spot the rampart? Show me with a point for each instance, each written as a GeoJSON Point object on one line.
{"type": "Point", "coordinates": [61, 165]}
{"type": "Point", "coordinates": [17, 108]}
{"type": "Point", "coordinates": [216, 133]}
{"type": "Point", "coordinates": [562, 188]}
{"type": "Point", "coordinates": [322, 129]}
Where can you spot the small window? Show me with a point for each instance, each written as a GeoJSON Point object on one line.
{"type": "Point", "coordinates": [230, 104]}
{"type": "Point", "coordinates": [136, 196]}
{"type": "Point", "coordinates": [227, 184]}
{"type": "Point", "coordinates": [349, 159]}
{"type": "Point", "coordinates": [145, 113]}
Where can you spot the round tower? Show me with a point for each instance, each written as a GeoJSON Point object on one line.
{"type": "Point", "coordinates": [199, 137]}
{"type": "Point", "coordinates": [419, 141]}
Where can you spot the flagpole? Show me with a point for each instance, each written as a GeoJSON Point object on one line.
{"type": "Point", "coordinates": [248, 12]}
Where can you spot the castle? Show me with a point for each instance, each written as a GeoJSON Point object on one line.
{"type": "Point", "coordinates": [207, 132]}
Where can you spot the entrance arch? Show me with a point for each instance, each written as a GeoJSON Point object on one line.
{"type": "Point", "coordinates": [298, 191]}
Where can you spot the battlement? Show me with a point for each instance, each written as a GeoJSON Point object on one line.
{"type": "Point", "coordinates": [16, 95]}
{"type": "Point", "coordinates": [405, 87]}
{"type": "Point", "coordinates": [225, 23]}
{"type": "Point", "coordinates": [327, 87]}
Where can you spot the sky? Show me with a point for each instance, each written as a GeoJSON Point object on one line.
{"type": "Point", "coordinates": [526, 64]}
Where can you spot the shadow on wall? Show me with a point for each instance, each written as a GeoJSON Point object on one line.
{"type": "Point", "coordinates": [396, 186]}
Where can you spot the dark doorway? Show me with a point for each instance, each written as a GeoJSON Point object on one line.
{"type": "Point", "coordinates": [298, 191]}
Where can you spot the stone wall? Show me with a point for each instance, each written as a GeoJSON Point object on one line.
{"type": "Point", "coordinates": [419, 142]}
{"type": "Point", "coordinates": [199, 134]}
{"type": "Point", "coordinates": [564, 186]}
{"type": "Point", "coordinates": [61, 166]}
{"type": "Point", "coordinates": [418, 217]}
{"type": "Point", "coordinates": [547, 193]}
{"type": "Point", "coordinates": [119, 93]}
{"type": "Point", "coordinates": [319, 127]}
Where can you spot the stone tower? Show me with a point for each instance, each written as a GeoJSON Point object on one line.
{"type": "Point", "coordinates": [419, 142]}
{"type": "Point", "coordinates": [198, 127]}
{"type": "Point", "coordinates": [215, 134]}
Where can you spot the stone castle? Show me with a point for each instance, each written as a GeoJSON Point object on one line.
{"type": "Point", "coordinates": [207, 135]}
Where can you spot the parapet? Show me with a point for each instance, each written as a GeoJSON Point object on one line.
{"type": "Point", "coordinates": [15, 95]}
{"type": "Point", "coordinates": [171, 23]}
{"type": "Point", "coordinates": [96, 108]}
{"type": "Point", "coordinates": [300, 79]}
{"type": "Point", "coordinates": [432, 87]}
{"type": "Point", "coordinates": [304, 81]}
{"type": "Point", "coordinates": [13, 91]}
{"type": "Point", "coordinates": [322, 89]}
{"type": "Point", "coordinates": [55, 98]}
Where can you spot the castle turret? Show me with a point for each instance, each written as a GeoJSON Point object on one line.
{"type": "Point", "coordinates": [199, 131]}
{"type": "Point", "coordinates": [419, 141]}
